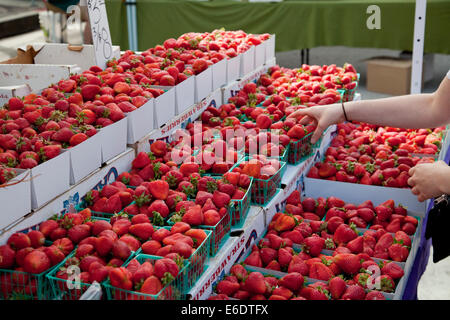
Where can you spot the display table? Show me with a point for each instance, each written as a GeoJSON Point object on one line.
{"type": "Point", "coordinates": [298, 24]}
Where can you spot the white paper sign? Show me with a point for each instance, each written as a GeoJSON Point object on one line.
{"type": "Point", "coordinates": [101, 36]}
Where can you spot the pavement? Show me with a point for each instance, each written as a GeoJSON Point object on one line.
{"type": "Point", "coordinates": [435, 282]}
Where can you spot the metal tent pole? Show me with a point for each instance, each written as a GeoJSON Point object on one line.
{"type": "Point", "coordinates": [132, 24]}
{"type": "Point", "coordinates": [419, 39]}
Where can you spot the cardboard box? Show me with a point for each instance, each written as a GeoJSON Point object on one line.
{"type": "Point", "coordinates": [203, 84]}
{"type": "Point", "coordinates": [233, 69]}
{"type": "Point", "coordinates": [50, 179]}
{"type": "Point", "coordinates": [164, 109]}
{"type": "Point", "coordinates": [86, 157]}
{"type": "Point", "coordinates": [389, 76]}
{"type": "Point", "coordinates": [114, 139]}
{"type": "Point", "coordinates": [184, 95]}
{"type": "Point", "coordinates": [15, 198]}
{"type": "Point", "coordinates": [37, 76]}
{"type": "Point", "coordinates": [219, 74]}
{"type": "Point", "coordinates": [248, 61]}
{"type": "Point", "coordinates": [71, 197]}
{"type": "Point", "coordinates": [7, 92]}
{"type": "Point", "coordinates": [140, 122]}
{"type": "Point", "coordinates": [62, 53]}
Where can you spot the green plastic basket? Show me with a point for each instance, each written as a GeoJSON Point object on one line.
{"type": "Point", "coordinates": [282, 157]}
{"type": "Point", "coordinates": [197, 261]}
{"type": "Point", "coordinates": [300, 149]}
{"type": "Point", "coordinates": [240, 208]}
{"type": "Point", "coordinates": [219, 232]}
{"type": "Point", "coordinates": [262, 191]}
{"type": "Point", "coordinates": [60, 288]}
{"type": "Point", "coordinates": [175, 290]}
{"type": "Point", "coordinates": [18, 285]}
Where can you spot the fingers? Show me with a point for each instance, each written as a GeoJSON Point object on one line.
{"type": "Point", "coordinates": [412, 170]}
{"type": "Point", "coordinates": [317, 133]}
{"type": "Point", "coordinates": [415, 191]}
{"type": "Point", "coordinates": [297, 114]}
{"type": "Point", "coordinates": [307, 119]}
{"type": "Point", "coordinates": [412, 182]}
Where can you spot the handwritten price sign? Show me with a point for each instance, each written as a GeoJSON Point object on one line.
{"type": "Point", "coordinates": [101, 36]}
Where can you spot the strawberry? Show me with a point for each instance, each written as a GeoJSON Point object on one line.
{"type": "Point", "coordinates": [344, 234]}
{"type": "Point", "coordinates": [292, 281]}
{"type": "Point", "coordinates": [141, 230]}
{"type": "Point", "coordinates": [397, 252]}
{"type": "Point", "coordinates": [337, 287]}
{"type": "Point", "coordinates": [356, 245]}
{"type": "Point", "coordinates": [37, 238]}
{"type": "Point", "coordinates": [375, 295]}
{"type": "Point", "coordinates": [19, 240]}
{"type": "Point", "coordinates": [120, 250]}
{"type": "Point", "coordinates": [193, 216]}
{"type": "Point", "coordinates": [36, 262]}
{"type": "Point", "coordinates": [349, 263]}
{"type": "Point", "coordinates": [313, 245]}
{"type": "Point", "coordinates": [255, 283]}
{"type": "Point", "coordinates": [7, 257]}
{"type": "Point", "coordinates": [393, 270]}
{"type": "Point", "coordinates": [141, 160]}
{"type": "Point", "coordinates": [121, 278]}
{"type": "Point", "coordinates": [227, 287]}
{"type": "Point", "coordinates": [320, 271]}
{"type": "Point", "coordinates": [159, 189]}
{"type": "Point", "coordinates": [254, 259]}
{"type": "Point", "coordinates": [354, 292]}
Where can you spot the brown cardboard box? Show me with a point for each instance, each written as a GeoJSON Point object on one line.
{"type": "Point", "coordinates": [389, 75]}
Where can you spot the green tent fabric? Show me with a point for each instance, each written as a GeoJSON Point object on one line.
{"type": "Point", "coordinates": [297, 23]}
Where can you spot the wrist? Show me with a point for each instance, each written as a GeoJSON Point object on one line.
{"type": "Point", "coordinates": [443, 180]}
{"type": "Point", "coordinates": [339, 113]}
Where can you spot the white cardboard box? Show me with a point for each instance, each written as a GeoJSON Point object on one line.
{"type": "Point", "coordinates": [180, 121]}
{"type": "Point", "coordinates": [233, 68]}
{"type": "Point", "coordinates": [260, 54]}
{"type": "Point", "coordinates": [184, 95]}
{"type": "Point", "coordinates": [248, 61]}
{"type": "Point", "coordinates": [357, 193]}
{"type": "Point", "coordinates": [50, 179]}
{"type": "Point", "coordinates": [203, 84]}
{"type": "Point", "coordinates": [7, 92]}
{"type": "Point", "coordinates": [140, 122]}
{"type": "Point", "coordinates": [219, 74]}
{"type": "Point", "coordinates": [114, 139]}
{"type": "Point", "coordinates": [270, 47]}
{"type": "Point", "coordinates": [86, 157]}
{"type": "Point", "coordinates": [37, 76]}
{"type": "Point", "coordinates": [15, 198]}
{"type": "Point", "coordinates": [69, 199]}
{"type": "Point", "coordinates": [60, 53]}
{"type": "Point", "coordinates": [164, 109]}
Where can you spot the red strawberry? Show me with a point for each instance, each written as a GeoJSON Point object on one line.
{"type": "Point", "coordinates": [337, 287]}
{"type": "Point", "coordinates": [121, 278]}
{"type": "Point", "coordinates": [255, 283]}
{"type": "Point", "coordinates": [121, 250]}
{"type": "Point", "coordinates": [292, 281]}
{"type": "Point", "coordinates": [349, 263]}
{"type": "Point", "coordinates": [19, 240]}
{"type": "Point", "coordinates": [320, 271]}
{"type": "Point", "coordinates": [356, 245]}
{"type": "Point", "coordinates": [344, 234]}
{"type": "Point", "coordinates": [393, 270]}
{"type": "Point", "coordinates": [227, 287]}
{"type": "Point", "coordinates": [104, 245]}
{"type": "Point", "coordinates": [313, 245]}
{"type": "Point", "coordinates": [7, 257]}
{"type": "Point", "coordinates": [397, 252]}
{"type": "Point", "coordinates": [354, 292]}
{"type": "Point", "coordinates": [36, 262]}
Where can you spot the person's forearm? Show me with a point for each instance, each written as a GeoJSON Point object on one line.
{"type": "Point", "coordinates": [411, 111]}
{"type": "Point", "coordinates": [443, 180]}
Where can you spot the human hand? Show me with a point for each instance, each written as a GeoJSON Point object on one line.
{"type": "Point", "coordinates": [427, 179]}
{"type": "Point", "coordinates": [322, 117]}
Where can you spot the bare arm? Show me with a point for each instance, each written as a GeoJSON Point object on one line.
{"type": "Point", "coordinates": [409, 111]}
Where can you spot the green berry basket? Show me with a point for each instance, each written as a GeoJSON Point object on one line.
{"type": "Point", "coordinates": [239, 208]}
{"type": "Point", "coordinates": [60, 287]}
{"type": "Point", "coordinates": [18, 285]}
{"type": "Point", "coordinates": [262, 191]}
{"type": "Point", "coordinates": [173, 290]}
{"type": "Point", "coordinates": [197, 260]}
{"type": "Point", "coordinates": [299, 150]}
{"type": "Point", "coordinates": [219, 232]}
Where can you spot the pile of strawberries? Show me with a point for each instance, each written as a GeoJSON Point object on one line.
{"type": "Point", "coordinates": [318, 238]}
{"type": "Point", "coordinates": [146, 279]}
{"type": "Point", "coordinates": [243, 284]}
{"type": "Point", "coordinates": [357, 156]}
